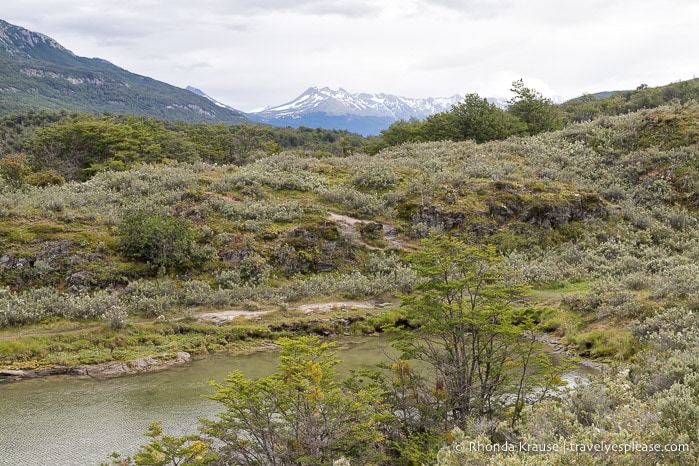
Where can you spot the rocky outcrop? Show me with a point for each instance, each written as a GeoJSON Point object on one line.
{"type": "Point", "coordinates": [107, 369]}
{"type": "Point", "coordinates": [547, 211]}
{"type": "Point", "coordinates": [438, 218]}
{"type": "Point", "coordinates": [550, 215]}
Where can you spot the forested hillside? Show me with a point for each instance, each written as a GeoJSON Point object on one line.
{"type": "Point", "coordinates": [585, 232]}
{"type": "Point", "coordinates": [37, 73]}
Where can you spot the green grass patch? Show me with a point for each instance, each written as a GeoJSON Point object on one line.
{"type": "Point", "coordinates": [609, 344]}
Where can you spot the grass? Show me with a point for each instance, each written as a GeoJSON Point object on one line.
{"type": "Point", "coordinates": [66, 343]}
{"type": "Point", "coordinates": [606, 344]}
{"type": "Point", "coordinates": [556, 291]}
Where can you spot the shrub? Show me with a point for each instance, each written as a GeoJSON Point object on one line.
{"type": "Point", "coordinates": [163, 242]}
{"type": "Point", "coordinates": [375, 176]}
{"type": "Point", "coordinates": [13, 169]}
{"type": "Point", "coordinates": [355, 201]}
{"type": "Point", "coordinates": [151, 297]}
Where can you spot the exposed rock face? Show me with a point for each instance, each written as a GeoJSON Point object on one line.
{"type": "Point", "coordinates": [108, 369]}
{"type": "Point", "coordinates": [52, 262]}
{"type": "Point", "coordinates": [554, 215]}
{"type": "Point", "coordinates": [441, 219]}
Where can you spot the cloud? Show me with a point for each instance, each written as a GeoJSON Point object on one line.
{"type": "Point", "coordinates": [473, 8]}
{"type": "Point", "coordinates": [251, 53]}
{"type": "Point", "coordinates": [356, 9]}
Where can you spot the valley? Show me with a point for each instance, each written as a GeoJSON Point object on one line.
{"type": "Point", "coordinates": [479, 244]}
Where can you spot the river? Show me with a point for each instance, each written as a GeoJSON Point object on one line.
{"type": "Point", "coordinates": [70, 420]}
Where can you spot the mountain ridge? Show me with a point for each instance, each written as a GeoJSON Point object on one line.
{"type": "Point", "coordinates": [342, 102]}
{"type": "Point", "coordinates": [365, 113]}
{"type": "Point", "coordinates": [37, 73]}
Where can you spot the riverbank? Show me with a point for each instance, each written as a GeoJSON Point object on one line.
{"type": "Point", "coordinates": [112, 369]}
{"type": "Point", "coordinates": [149, 346]}
{"type": "Point", "coordinates": [89, 349]}
{"type": "Point", "coordinates": [68, 420]}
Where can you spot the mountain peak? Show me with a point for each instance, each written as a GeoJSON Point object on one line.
{"type": "Point", "coordinates": [341, 102]}
{"type": "Point", "coordinates": [37, 73]}
{"type": "Point", "coordinates": [339, 109]}
{"type": "Point", "coordinates": [19, 42]}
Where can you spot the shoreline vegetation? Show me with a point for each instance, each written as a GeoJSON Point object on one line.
{"type": "Point", "coordinates": [324, 325]}
{"type": "Point", "coordinates": [101, 350]}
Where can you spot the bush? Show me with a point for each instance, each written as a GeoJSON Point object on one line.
{"type": "Point", "coordinates": [151, 298]}
{"type": "Point", "coordinates": [375, 176]}
{"type": "Point", "coordinates": [163, 242]}
{"type": "Point", "coordinates": [356, 202]}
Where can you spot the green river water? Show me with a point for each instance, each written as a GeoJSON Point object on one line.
{"type": "Point", "coordinates": [70, 420]}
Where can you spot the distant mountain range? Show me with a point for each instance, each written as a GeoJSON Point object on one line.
{"type": "Point", "coordinates": [37, 73]}
{"type": "Point", "coordinates": [361, 113]}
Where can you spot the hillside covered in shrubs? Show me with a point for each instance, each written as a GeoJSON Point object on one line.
{"type": "Point", "coordinates": [131, 227]}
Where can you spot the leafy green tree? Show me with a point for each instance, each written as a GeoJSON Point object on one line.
{"type": "Point", "coordinates": [299, 415]}
{"type": "Point", "coordinates": [441, 127]}
{"type": "Point", "coordinates": [168, 450]}
{"type": "Point", "coordinates": [402, 131]}
{"type": "Point", "coordinates": [164, 242]}
{"type": "Point", "coordinates": [245, 141]}
{"type": "Point", "coordinates": [476, 118]}
{"type": "Point", "coordinates": [537, 112]}
{"type": "Point", "coordinates": [84, 145]}
{"type": "Point", "coordinates": [480, 347]}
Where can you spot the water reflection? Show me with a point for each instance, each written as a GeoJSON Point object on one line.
{"type": "Point", "coordinates": [68, 420]}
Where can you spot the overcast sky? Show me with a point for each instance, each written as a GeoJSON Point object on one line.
{"type": "Point", "coordinates": [253, 53]}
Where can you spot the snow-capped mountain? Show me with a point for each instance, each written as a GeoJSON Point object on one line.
{"type": "Point", "coordinates": [340, 102]}
{"type": "Point", "coordinates": [363, 113]}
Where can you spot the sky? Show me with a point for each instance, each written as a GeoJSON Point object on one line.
{"type": "Point", "coordinates": [255, 53]}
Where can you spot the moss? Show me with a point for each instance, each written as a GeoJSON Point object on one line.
{"type": "Point", "coordinates": [670, 129]}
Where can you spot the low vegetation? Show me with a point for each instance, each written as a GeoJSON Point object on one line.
{"type": "Point", "coordinates": [584, 231]}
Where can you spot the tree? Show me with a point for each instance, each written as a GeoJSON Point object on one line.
{"type": "Point", "coordinates": [14, 169]}
{"type": "Point", "coordinates": [299, 415]}
{"type": "Point", "coordinates": [164, 242]}
{"type": "Point", "coordinates": [402, 131]}
{"type": "Point", "coordinates": [479, 346]}
{"type": "Point", "coordinates": [246, 140]}
{"type": "Point", "coordinates": [478, 119]}
{"type": "Point", "coordinates": [538, 113]}
{"type": "Point", "coordinates": [167, 450]}
{"type": "Point", "coordinates": [441, 127]}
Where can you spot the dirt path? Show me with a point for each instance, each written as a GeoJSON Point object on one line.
{"type": "Point", "coordinates": [49, 333]}
{"type": "Point", "coordinates": [218, 317]}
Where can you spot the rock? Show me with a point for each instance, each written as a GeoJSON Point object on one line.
{"type": "Point", "coordinates": [268, 346]}
{"type": "Point", "coordinates": [435, 217]}
{"type": "Point", "coordinates": [108, 369]}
